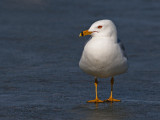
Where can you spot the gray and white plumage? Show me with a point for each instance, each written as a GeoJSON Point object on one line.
{"type": "Point", "coordinates": [103, 55]}
{"type": "Point", "coordinates": [122, 48]}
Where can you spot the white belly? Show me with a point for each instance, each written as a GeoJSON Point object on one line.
{"type": "Point", "coordinates": [103, 59]}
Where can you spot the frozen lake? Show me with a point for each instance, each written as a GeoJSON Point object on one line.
{"type": "Point", "coordinates": [40, 50]}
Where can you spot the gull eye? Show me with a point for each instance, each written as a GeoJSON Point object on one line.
{"type": "Point", "coordinates": [100, 26]}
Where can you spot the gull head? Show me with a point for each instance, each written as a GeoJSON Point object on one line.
{"type": "Point", "coordinates": [101, 28]}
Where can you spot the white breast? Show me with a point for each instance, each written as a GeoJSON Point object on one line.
{"type": "Point", "coordinates": [102, 58]}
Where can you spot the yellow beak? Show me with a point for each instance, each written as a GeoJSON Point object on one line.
{"type": "Point", "coordinates": [84, 33]}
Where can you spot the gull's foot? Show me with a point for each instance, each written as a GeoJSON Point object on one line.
{"type": "Point", "coordinates": [112, 100]}
{"type": "Point", "coordinates": [95, 101]}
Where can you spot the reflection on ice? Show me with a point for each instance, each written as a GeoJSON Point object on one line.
{"type": "Point", "coordinates": [103, 111]}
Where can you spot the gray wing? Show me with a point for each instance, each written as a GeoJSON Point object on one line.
{"type": "Point", "coordinates": [122, 48]}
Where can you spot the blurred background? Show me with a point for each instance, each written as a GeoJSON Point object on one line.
{"type": "Point", "coordinates": [40, 50]}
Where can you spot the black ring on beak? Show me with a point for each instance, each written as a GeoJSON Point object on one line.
{"type": "Point", "coordinates": [82, 33]}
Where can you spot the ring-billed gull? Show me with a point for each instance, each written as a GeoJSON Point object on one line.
{"type": "Point", "coordinates": [103, 55]}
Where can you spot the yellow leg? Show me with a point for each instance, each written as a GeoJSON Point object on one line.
{"type": "Point", "coordinates": [96, 100]}
{"type": "Point", "coordinates": [111, 99]}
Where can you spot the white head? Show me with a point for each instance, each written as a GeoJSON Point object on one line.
{"type": "Point", "coordinates": [101, 28]}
